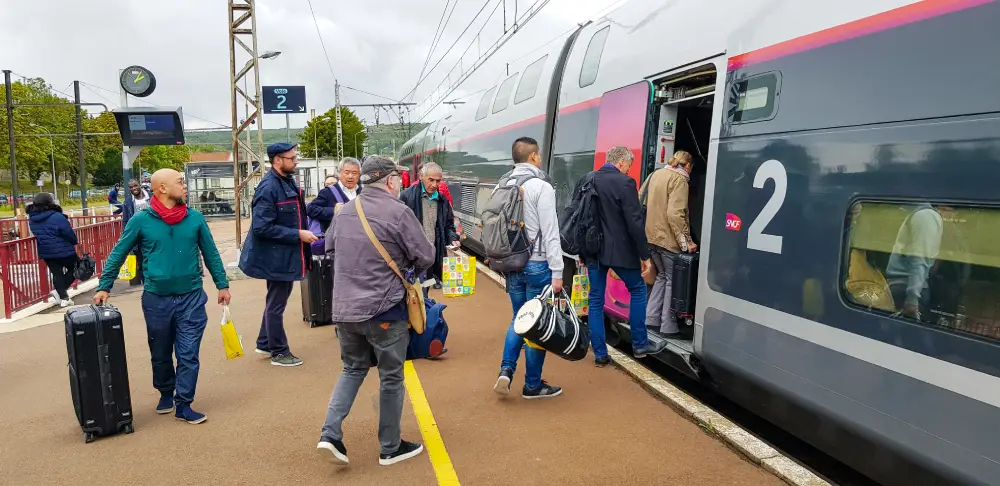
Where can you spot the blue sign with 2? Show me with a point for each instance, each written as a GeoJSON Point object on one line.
{"type": "Point", "coordinates": [284, 99]}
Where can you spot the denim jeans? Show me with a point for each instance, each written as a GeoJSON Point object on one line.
{"type": "Point", "coordinates": [637, 306]}
{"type": "Point", "coordinates": [175, 325]}
{"type": "Point", "coordinates": [388, 340]}
{"type": "Point", "coordinates": [521, 287]}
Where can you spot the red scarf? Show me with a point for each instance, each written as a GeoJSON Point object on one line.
{"type": "Point", "coordinates": [170, 216]}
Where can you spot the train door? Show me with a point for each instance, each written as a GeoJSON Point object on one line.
{"type": "Point", "coordinates": [656, 119]}
{"type": "Point", "coordinates": [622, 120]}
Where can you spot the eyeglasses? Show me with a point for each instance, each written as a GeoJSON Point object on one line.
{"type": "Point", "coordinates": [294, 157]}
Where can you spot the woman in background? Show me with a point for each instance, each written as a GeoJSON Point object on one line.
{"type": "Point", "coordinates": [56, 243]}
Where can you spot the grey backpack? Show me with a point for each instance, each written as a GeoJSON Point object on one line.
{"type": "Point", "coordinates": [508, 247]}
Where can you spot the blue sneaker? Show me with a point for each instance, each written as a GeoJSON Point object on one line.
{"type": "Point", "coordinates": [166, 404]}
{"type": "Point", "coordinates": [185, 413]}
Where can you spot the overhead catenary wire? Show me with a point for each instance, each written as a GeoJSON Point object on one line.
{"type": "Point", "coordinates": [438, 32]}
{"type": "Point", "coordinates": [326, 54]}
{"type": "Point", "coordinates": [528, 16]}
{"type": "Point", "coordinates": [457, 39]}
{"type": "Point", "coordinates": [85, 84]}
{"type": "Point", "coordinates": [370, 94]}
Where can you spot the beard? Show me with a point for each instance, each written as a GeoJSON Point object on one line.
{"type": "Point", "coordinates": [180, 201]}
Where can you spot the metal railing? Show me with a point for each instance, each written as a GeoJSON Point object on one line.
{"type": "Point", "coordinates": [25, 277]}
{"type": "Point", "coordinates": [15, 228]}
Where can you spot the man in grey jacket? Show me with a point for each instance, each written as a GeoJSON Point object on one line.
{"type": "Point", "coordinates": [370, 311]}
{"type": "Point", "coordinates": [544, 268]}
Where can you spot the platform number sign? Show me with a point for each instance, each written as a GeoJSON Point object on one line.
{"type": "Point", "coordinates": [756, 238]}
{"type": "Point", "coordinates": [284, 99]}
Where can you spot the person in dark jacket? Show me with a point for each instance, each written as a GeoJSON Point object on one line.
{"type": "Point", "coordinates": [343, 191]}
{"type": "Point", "coordinates": [136, 200]}
{"type": "Point", "coordinates": [434, 213]}
{"type": "Point", "coordinates": [277, 248]}
{"type": "Point", "coordinates": [625, 251]}
{"type": "Point", "coordinates": [56, 243]}
{"type": "Point", "coordinates": [175, 241]}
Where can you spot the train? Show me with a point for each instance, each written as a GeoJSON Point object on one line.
{"type": "Point", "coordinates": [834, 142]}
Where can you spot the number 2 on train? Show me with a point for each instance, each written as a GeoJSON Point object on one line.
{"type": "Point", "coordinates": [756, 238]}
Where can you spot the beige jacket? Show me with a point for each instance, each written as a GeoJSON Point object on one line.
{"type": "Point", "coordinates": [666, 200]}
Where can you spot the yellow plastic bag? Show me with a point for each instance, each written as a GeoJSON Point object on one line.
{"type": "Point", "coordinates": [127, 270]}
{"type": "Point", "coordinates": [458, 276]}
{"type": "Point", "coordinates": [232, 341]}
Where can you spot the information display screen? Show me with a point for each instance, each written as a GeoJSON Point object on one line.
{"type": "Point", "coordinates": [150, 126]}
{"type": "Point", "coordinates": [146, 127]}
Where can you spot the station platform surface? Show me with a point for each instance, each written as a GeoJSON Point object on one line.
{"type": "Point", "coordinates": [264, 421]}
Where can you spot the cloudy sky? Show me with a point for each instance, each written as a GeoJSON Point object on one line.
{"type": "Point", "coordinates": [378, 46]}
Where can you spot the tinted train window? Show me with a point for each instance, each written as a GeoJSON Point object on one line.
{"type": "Point", "coordinates": [503, 96]}
{"type": "Point", "coordinates": [936, 264]}
{"type": "Point", "coordinates": [753, 99]}
{"type": "Point", "coordinates": [592, 59]}
{"type": "Point", "coordinates": [484, 104]}
{"type": "Point", "coordinates": [529, 82]}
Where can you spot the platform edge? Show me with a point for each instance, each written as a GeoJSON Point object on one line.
{"type": "Point", "coordinates": [713, 422]}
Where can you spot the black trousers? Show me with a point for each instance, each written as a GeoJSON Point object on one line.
{"type": "Point", "coordinates": [62, 273]}
{"type": "Point", "coordinates": [272, 327]}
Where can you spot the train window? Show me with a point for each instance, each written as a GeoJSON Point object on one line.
{"type": "Point", "coordinates": [592, 59]}
{"type": "Point", "coordinates": [503, 96]}
{"type": "Point", "coordinates": [529, 82]}
{"type": "Point", "coordinates": [484, 104]}
{"type": "Point", "coordinates": [753, 99]}
{"type": "Point", "coordinates": [935, 264]}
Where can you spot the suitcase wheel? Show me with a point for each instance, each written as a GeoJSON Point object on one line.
{"type": "Point", "coordinates": [128, 428]}
{"type": "Point", "coordinates": [88, 437]}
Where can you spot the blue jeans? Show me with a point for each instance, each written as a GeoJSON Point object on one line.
{"type": "Point", "coordinates": [521, 287]}
{"type": "Point", "coordinates": [636, 312]}
{"type": "Point", "coordinates": [175, 325]}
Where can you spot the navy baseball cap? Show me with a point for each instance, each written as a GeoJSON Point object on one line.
{"type": "Point", "coordinates": [279, 148]}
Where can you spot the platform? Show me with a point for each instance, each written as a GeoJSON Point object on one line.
{"type": "Point", "coordinates": [264, 421]}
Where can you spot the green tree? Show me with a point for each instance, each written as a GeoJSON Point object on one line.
{"type": "Point", "coordinates": [325, 129]}
{"type": "Point", "coordinates": [109, 172]}
{"type": "Point", "coordinates": [156, 157]}
{"type": "Point", "coordinates": [31, 124]}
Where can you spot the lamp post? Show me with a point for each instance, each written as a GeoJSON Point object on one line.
{"type": "Point", "coordinates": [52, 157]}
{"type": "Point", "coordinates": [356, 141]}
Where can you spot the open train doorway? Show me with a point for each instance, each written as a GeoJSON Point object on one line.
{"type": "Point", "coordinates": [680, 119]}
{"type": "Point", "coordinates": [683, 106]}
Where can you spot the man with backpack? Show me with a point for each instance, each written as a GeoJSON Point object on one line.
{"type": "Point", "coordinates": [622, 249]}
{"type": "Point", "coordinates": [527, 252]}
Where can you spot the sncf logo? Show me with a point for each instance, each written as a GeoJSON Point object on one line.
{"type": "Point", "coordinates": [733, 222]}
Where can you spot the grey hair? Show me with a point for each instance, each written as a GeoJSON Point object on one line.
{"type": "Point", "coordinates": [350, 161]}
{"type": "Point", "coordinates": [619, 153]}
{"type": "Point", "coordinates": [430, 167]}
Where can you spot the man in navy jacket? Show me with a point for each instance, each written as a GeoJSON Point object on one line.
{"type": "Point", "coordinates": [277, 248]}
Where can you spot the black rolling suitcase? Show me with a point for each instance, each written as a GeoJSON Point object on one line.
{"type": "Point", "coordinates": [98, 372]}
{"type": "Point", "coordinates": [684, 288]}
{"type": "Point", "coordinates": [317, 293]}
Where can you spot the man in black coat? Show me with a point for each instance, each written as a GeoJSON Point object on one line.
{"type": "Point", "coordinates": [434, 213]}
{"type": "Point", "coordinates": [624, 250]}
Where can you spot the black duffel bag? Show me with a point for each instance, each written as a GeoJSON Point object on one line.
{"type": "Point", "coordinates": [541, 322]}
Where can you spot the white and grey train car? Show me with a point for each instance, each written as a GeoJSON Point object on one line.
{"type": "Point", "coordinates": [846, 203]}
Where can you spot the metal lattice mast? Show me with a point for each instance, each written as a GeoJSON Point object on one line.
{"type": "Point", "coordinates": [240, 13]}
{"type": "Point", "coordinates": [340, 125]}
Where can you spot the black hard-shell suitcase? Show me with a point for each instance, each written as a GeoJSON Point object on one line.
{"type": "Point", "coordinates": [684, 288]}
{"type": "Point", "coordinates": [98, 372]}
{"type": "Point", "coordinates": [317, 293]}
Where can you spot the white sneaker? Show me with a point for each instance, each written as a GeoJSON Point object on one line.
{"type": "Point", "coordinates": [66, 303]}
{"type": "Point", "coordinates": [55, 296]}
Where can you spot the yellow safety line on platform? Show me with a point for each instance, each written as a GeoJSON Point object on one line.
{"type": "Point", "coordinates": [433, 442]}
